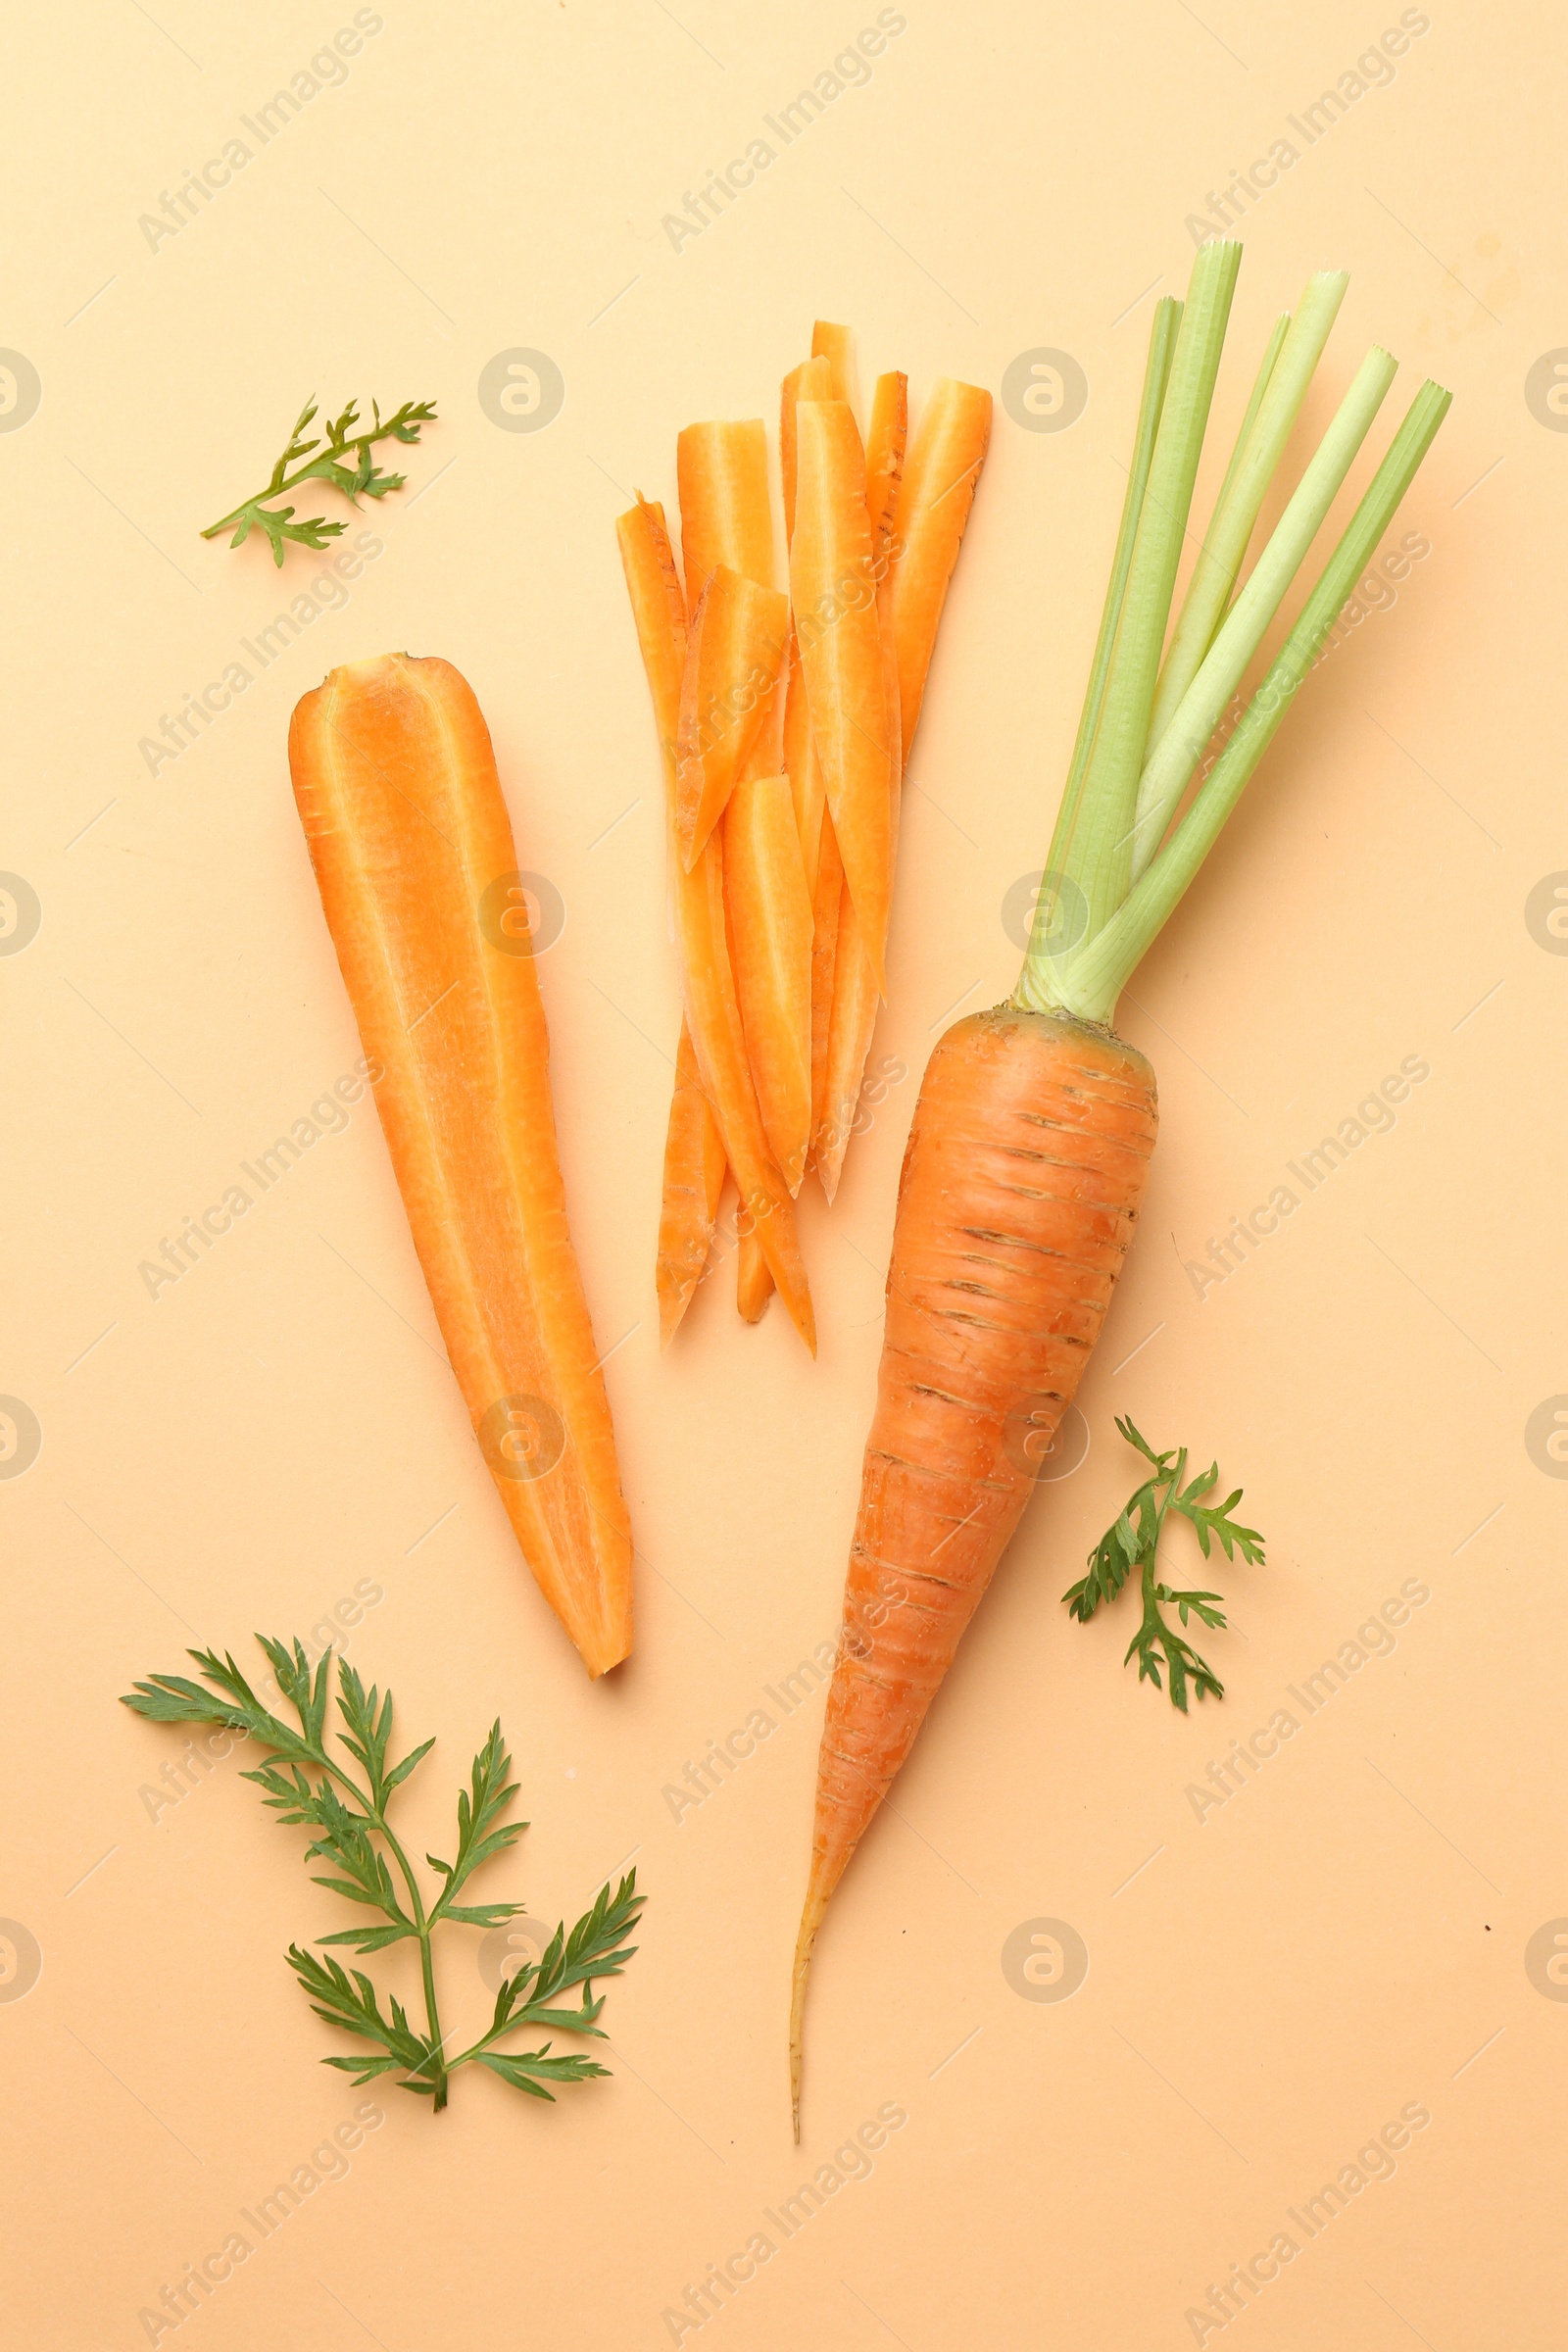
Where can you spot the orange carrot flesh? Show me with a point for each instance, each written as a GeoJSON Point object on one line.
{"type": "Point", "coordinates": [395, 780]}
{"type": "Point", "coordinates": [855, 990]}
{"type": "Point", "coordinates": [770, 931]}
{"type": "Point", "coordinates": [833, 590]}
{"type": "Point", "coordinates": [726, 512]}
{"type": "Point", "coordinates": [693, 1178]}
{"type": "Point", "coordinates": [733, 654]}
{"type": "Point", "coordinates": [831, 342]}
{"type": "Point", "coordinates": [936, 491]}
{"type": "Point", "coordinates": [828, 902]}
{"type": "Point", "coordinates": [811, 380]}
{"type": "Point", "coordinates": [712, 1009]}
{"type": "Point", "coordinates": [1026, 1165]}
{"type": "Point", "coordinates": [754, 1283]}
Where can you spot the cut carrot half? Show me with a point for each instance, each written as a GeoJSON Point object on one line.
{"type": "Point", "coordinates": [396, 784]}
{"type": "Point", "coordinates": [934, 499]}
{"type": "Point", "coordinates": [813, 380]}
{"type": "Point", "coordinates": [834, 594]}
{"type": "Point", "coordinates": [770, 928]}
{"type": "Point", "coordinates": [733, 654]}
{"type": "Point", "coordinates": [826, 906]}
{"type": "Point", "coordinates": [693, 1178]}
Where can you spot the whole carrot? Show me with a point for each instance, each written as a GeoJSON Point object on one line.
{"type": "Point", "coordinates": [1031, 1138]}
{"type": "Point", "coordinates": [396, 784]}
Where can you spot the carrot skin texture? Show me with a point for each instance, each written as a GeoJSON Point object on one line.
{"type": "Point", "coordinates": [827, 907]}
{"type": "Point", "coordinates": [935, 496]}
{"type": "Point", "coordinates": [693, 1178]}
{"type": "Point", "coordinates": [770, 936]}
{"type": "Point", "coordinates": [395, 779]}
{"type": "Point", "coordinates": [1017, 1203]}
{"type": "Point", "coordinates": [833, 589]}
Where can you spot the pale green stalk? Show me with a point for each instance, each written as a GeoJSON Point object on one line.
{"type": "Point", "coordinates": [1101, 848]}
{"type": "Point", "coordinates": [1258, 451]}
{"type": "Point", "coordinates": [1057, 923]}
{"type": "Point", "coordinates": [1170, 765]}
{"type": "Point", "coordinates": [1089, 981]}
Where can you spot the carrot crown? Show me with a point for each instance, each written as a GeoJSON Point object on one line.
{"type": "Point", "coordinates": [1116, 872]}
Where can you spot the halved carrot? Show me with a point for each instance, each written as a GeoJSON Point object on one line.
{"type": "Point", "coordinates": [395, 779]}
{"type": "Point", "coordinates": [832, 343]}
{"type": "Point", "coordinates": [771, 930]}
{"type": "Point", "coordinates": [693, 1179]}
{"type": "Point", "coordinates": [726, 513]}
{"type": "Point", "coordinates": [713, 1010]}
{"type": "Point", "coordinates": [733, 653]}
{"type": "Point", "coordinates": [834, 595]}
{"type": "Point", "coordinates": [933, 505]}
{"type": "Point", "coordinates": [855, 992]}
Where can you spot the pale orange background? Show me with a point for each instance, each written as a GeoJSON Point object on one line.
{"type": "Point", "coordinates": [1284, 1975]}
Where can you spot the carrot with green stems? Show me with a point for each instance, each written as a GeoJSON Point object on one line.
{"type": "Point", "coordinates": [1031, 1138]}
{"type": "Point", "coordinates": [396, 784]}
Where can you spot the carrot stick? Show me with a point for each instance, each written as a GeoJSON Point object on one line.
{"type": "Point", "coordinates": [1018, 1200]}
{"type": "Point", "coordinates": [693, 1178]}
{"type": "Point", "coordinates": [754, 1283]}
{"type": "Point", "coordinates": [813, 380]}
{"type": "Point", "coordinates": [834, 594]}
{"type": "Point", "coordinates": [733, 654]}
{"type": "Point", "coordinates": [658, 607]}
{"type": "Point", "coordinates": [832, 343]}
{"type": "Point", "coordinates": [826, 910]}
{"type": "Point", "coordinates": [713, 1010]}
{"type": "Point", "coordinates": [935, 496]}
{"type": "Point", "coordinates": [396, 784]}
{"type": "Point", "coordinates": [771, 934]}
{"type": "Point", "coordinates": [726, 513]}
{"type": "Point", "coordinates": [855, 992]}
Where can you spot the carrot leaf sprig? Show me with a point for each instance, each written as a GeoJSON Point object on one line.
{"type": "Point", "coordinates": [1133, 1542]}
{"type": "Point", "coordinates": [307, 1786]}
{"type": "Point", "coordinates": [343, 462]}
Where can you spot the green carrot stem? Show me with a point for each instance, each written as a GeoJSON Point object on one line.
{"type": "Point", "coordinates": [1058, 921]}
{"type": "Point", "coordinates": [1088, 980]}
{"type": "Point", "coordinates": [1258, 451]}
{"type": "Point", "coordinates": [1170, 765]}
{"type": "Point", "coordinates": [1100, 850]}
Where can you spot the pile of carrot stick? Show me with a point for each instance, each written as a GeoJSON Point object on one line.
{"type": "Point", "coordinates": [784, 722]}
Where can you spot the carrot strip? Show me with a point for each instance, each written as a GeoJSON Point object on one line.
{"type": "Point", "coordinates": [733, 654]}
{"type": "Point", "coordinates": [754, 1283]}
{"type": "Point", "coordinates": [832, 343]}
{"type": "Point", "coordinates": [693, 1178]}
{"type": "Point", "coordinates": [813, 380]}
{"type": "Point", "coordinates": [726, 513]}
{"type": "Point", "coordinates": [1021, 1186]}
{"type": "Point", "coordinates": [854, 990]}
{"type": "Point", "coordinates": [770, 932]}
{"type": "Point", "coordinates": [713, 1010]}
{"type": "Point", "coordinates": [935, 496]}
{"type": "Point", "coordinates": [834, 594]}
{"type": "Point", "coordinates": [396, 784]}
{"type": "Point", "coordinates": [826, 909]}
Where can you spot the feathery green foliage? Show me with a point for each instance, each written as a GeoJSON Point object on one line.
{"type": "Point", "coordinates": [1133, 1543]}
{"type": "Point", "coordinates": [343, 462]}
{"type": "Point", "coordinates": [308, 1788]}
